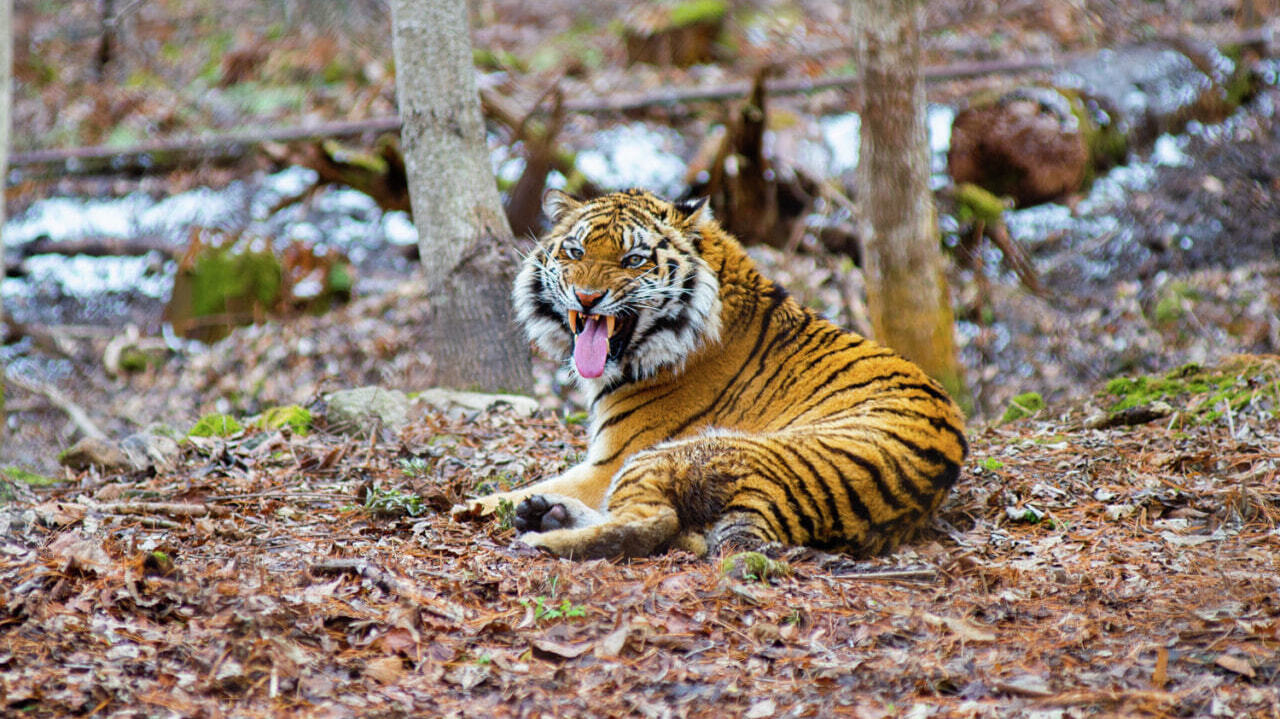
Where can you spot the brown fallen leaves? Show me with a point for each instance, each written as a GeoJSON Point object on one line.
{"type": "Point", "coordinates": [1076, 572]}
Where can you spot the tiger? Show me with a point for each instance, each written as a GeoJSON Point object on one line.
{"type": "Point", "coordinates": [723, 413]}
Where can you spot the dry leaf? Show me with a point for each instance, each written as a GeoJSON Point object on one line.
{"type": "Point", "coordinates": [761, 709]}
{"type": "Point", "coordinates": [962, 628]}
{"type": "Point", "coordinates": [1027, 685]}
{"type": "Point", "coordinates": [612, 644]}
{"type": "Point", "coordinates": [1232, 663]}
{"type": "Point", "coordinates": [561, 649]}
{"type": "Point", "coordinates": [386, 670]}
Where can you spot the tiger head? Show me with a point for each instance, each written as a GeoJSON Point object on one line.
{"type": "Point", "coordinates": [619, 285]}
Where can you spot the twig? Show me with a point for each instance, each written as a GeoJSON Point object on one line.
{"type": "Point", "coordinates": [927, 575]}
{"type": "Point", "coordinates": [77, 415]}
{"type": "Point", "coordinates": [361, 568]}
{"type": "Point", "coordinates": [173, 509]}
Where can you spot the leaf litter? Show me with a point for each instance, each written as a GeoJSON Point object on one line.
{"type": "Point", "coordinates": [253, 580]}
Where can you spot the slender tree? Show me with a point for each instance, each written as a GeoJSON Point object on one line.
{"type": "Point", "coordinates": [907, 295]}
{"type": "Point", "coordinates": [6, 81]}
{"type": "Point", "coordinates": [463, 236]}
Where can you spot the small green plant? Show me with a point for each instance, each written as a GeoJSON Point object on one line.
{"type": "Point", "coordinates": [1024, 405]}
{"type": "Point", "coordinates": [544, 612]}
{"type": "Point", "coordinates": [575, 418]}
{"type": "Point", "coordinates": [991, 464]}
{"type": "Point", "coordinates": [414, 467]}
{"type": "Point", "coordinates": [506, 514]}
{"type": "Point", "coordinates": [215, 425]}
{"type": "Point", "coordinates": [502, 481]}
{"type": "Point", "coordinates": [392, 502]}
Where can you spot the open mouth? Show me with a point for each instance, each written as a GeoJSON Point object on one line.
{"type": "Point", "coordinates": [598, 338]}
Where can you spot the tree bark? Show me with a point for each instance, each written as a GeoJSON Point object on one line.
{"type": "Point", "coordinates": [6, 81]}
{"type": "Point", "coordinates": [907, 294]}
{"type": "Point", "coordinates": [468, 252]}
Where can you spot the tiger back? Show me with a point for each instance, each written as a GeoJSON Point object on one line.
{"type": "Point", "coordinates": [723, 412]}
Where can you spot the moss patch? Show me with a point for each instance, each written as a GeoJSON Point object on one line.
{"type": "Point", "coordinates": [292, 416]}
{"type": "Point", "coordinates": [18, 474]}
{"type": "Point", "coordinates": [754, 566]}
{"type": "Point", "coordinates": [215, 425]}
{"type": "Point", "coordinates": [1203, 394]}
{"type": "Point", "coordinates": [1023, 405]}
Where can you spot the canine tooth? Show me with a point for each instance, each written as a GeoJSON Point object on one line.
{"type": "Point", "coordinates": [573, 320]}
{"type": "Point", "coordinates": [610, 321]}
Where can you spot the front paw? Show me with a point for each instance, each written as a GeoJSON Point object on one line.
{"type": "Point", "coordinates": [540, 513]}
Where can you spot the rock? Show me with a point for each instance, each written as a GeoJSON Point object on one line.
{"type": "Point", "coordinates": [149, 449]}
{"type": "Point", "coordinates": [363, 410]}
{"type": "Point", "coordinates": [152, 448]}
{"type": "Point", "coordinates": [95, 452]}
{"type": "Point", "coordinates": [1029, 144]}
{"type": "Point", "coordinates": [449, 401]}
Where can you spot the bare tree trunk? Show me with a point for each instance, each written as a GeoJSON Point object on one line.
{"type": "Point", "coordinates": [466, 245]}
{"type": "Point", "coordinates": [907, 295]}
{"type": "Point", "coordinates": [6, 81]}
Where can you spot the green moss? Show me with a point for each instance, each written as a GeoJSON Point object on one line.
{"type": "Point", "coordinates": [1173, 303]}
{"type": "Point", "coordinates": [18, 474]}
{"type": "Point", "coordinates": [1106, 142]}
{"type": "Point", "coordinates": [221, 276]}
{"type": "Point", "coordinates": [1023, 405]}
{"type": "Point", "coordinates": [976, 203]}
{"type": "Point", "coordinates": [697, 11]}
{"type": "Point", "coordinates": [1203, 394]}
{"type": "Point", "coordinates": [754, 566]}
{"type": "Point", "coordinates": [215, 425]}
{"type": "Point", "coordinates": [297, 419]}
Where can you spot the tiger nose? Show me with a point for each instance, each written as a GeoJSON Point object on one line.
{"type": "Point", "coordinates": [587, 299]}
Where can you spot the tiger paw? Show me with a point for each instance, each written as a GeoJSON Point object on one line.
{"type": "Point", "coordinates": [541, 514]}
{"type": "Point", "coordinates": [545, 512]}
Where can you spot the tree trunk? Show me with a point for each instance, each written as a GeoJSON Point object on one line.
{"type": "Point", "coordinates": [6, 81]}
{"type": "Point", "coordinates": [468, 252]}
{"type": "Point", "coordinates": [907, 295]}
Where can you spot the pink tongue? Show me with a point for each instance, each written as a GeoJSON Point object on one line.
{"type": "Point", "coordinates": [591, 348]}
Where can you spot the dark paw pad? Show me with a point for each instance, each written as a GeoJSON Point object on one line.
{"type": "Point", "coordinates": [539, 514]}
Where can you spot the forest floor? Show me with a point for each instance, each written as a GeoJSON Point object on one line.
{"type": "Point", "coordinates": [1080, 569]}
{"type": "Point", "coordinates": [1077, 570]}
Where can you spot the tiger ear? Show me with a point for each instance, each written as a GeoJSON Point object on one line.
{"type": "Point", "coordinates": [557, 204]}
{"type": "Point", "coordinates": [694, 210]}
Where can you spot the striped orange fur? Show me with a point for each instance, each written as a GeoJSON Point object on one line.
{"type": "Point", "coordinates": [723, 412]}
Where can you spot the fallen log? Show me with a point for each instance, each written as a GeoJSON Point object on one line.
{"type": "Point", "coordinates": [233, 148]}
{"type": "Point", "coordinates": [97, 247]}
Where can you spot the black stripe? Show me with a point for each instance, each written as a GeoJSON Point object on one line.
{"type": "Point", "coordinates": [805, 514]}
{"type": "Point", "coordinates": [856, 504]}
{"type": "Point", "coordinates": [822, 399]}
{"type": "Point", "coordinates": [886, 493]}
{"type": "Point", "coordinates": [620, 416]}
{"type": "Point", "coordinates": [928, 454]}
{"type": "Point", "coordinates": [764, 329]}
{"type": "Point", "coordinates": [766, 527]}
{"type": "Point", "coordinates": [833, 511]}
